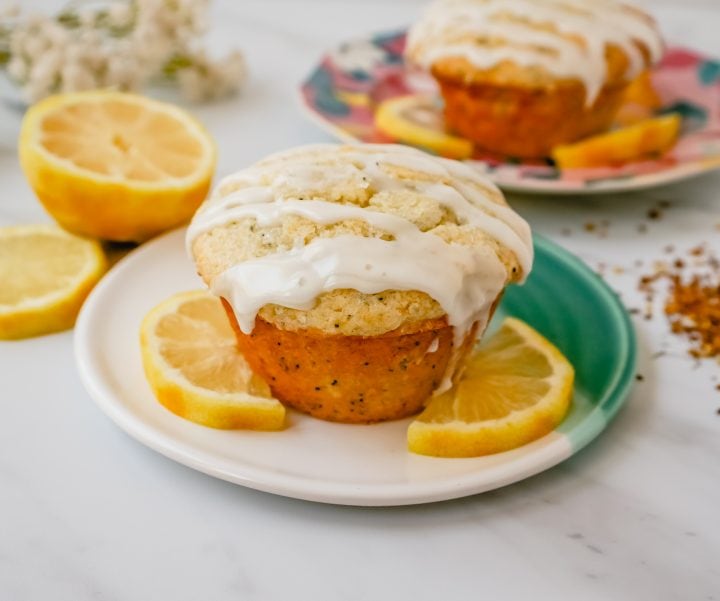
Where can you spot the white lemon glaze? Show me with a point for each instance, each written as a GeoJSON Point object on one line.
{"type": "Point", "coordinates": [464, 280]}
{"type": "Point", "coordinates": [488, 32]}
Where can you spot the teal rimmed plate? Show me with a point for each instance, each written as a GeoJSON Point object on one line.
{"type": "Point", "coordinates": [345, 464]}
{"type": "Point", "coordinates": [574, 308]}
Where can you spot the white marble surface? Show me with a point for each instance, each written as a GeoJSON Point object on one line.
{"type": "Point", "coordinates": [86, 513]}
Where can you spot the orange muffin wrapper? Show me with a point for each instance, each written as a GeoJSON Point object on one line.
{"type": "Point", "coordinates": [351, 379]}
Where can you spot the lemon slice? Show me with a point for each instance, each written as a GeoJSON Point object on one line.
{"type": "Point", "coordinates": [114, 165]}
{"type": "Point", "coordinates": [191, 360]}
{"type": "Point", "coordinates": [416, 120]}
{"type": "Point", "coordinates": [46, 273]}
{"type": "Point", "coordinates": [517, 387]}
{"type": "Point", "coordinates": [645, 139]}
{"type": "Point", "coordinates": [640, 101]}
{"type": "Point", "coordinates": [641, 91]}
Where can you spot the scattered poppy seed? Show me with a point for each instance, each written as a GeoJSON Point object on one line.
{"type": "Point", "coordinates": [692, 302]}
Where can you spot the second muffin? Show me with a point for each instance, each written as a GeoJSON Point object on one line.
{"type": "Point", "coordinates": [519, 77]}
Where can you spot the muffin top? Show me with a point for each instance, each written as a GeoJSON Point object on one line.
{"type": "Point", "coordinates": [358, 240]}
{"type": "Point", "coordinates": [535, 43]}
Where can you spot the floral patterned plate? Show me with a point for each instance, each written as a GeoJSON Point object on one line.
{"type": "Point", "coordinates": [344, 90]}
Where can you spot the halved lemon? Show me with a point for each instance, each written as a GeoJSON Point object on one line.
{"type": "Point", "coordinates": [517, 387]}
{"type": "Point", "coordinates": [45, 275]}
{"type": "Point", "coordinates": [193, 365]}
{"type": "Point", "coordinates": [116, 166]}
{"type": "Point", "coordinates": [416, 120]}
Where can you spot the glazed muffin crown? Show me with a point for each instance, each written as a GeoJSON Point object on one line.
{"type": "Point", "coordinates": [535, 43]}
{"type": "Point", "coordinates": [358, 210]}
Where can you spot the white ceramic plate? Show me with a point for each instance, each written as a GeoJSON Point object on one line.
{"type": "Point", "coordinates": [311, 459]}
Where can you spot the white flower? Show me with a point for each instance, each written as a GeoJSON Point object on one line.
{"type": "Point", "coordinates": [233, 69]}
{"type": "Point", "coordinates": [208, 80]}
{"type": "Point", "coordinates": [90, 46]}
{"type": "Point", "coordinates": [122, 73]}
{"type": "Point", "coordinates": [55, 33]}
{"type": "Point", "coordinates": [196, 13]}
{"type": "Point", "coordinates": [119, 15]}
{"type": "Point", "coordinates": [46, 69]}
{"type": "Point", "coordinates": [121, 44]}
{"type": "Point", "coordinates": [16, 43]}
{"type": "Point", "coordinates": [91, 38]}
{"type": "Point", "coordinates": [191, 84]}
{"type": "Point", "coordinates": [33, 45]}
{"type": "Point", "coordinates": [76, 78]}
{"type": "Point", "coordinates": [17, 68]}
{"type": "Point", "coordinates": [10, 11]}
{"type": "Point", "coordinates": [88, 19]}
{"type": "Point", "coordinates": [76, 53]}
